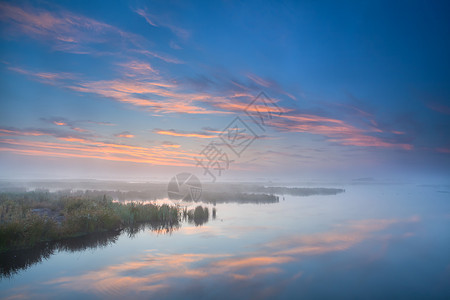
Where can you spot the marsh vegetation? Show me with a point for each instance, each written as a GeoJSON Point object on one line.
{"type": "Point", "coordinates": [27, 219]}
{"type": "Point", "coordinates": [74, 209]}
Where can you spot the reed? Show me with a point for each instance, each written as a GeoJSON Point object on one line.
{"type": "Point", "coordinates": [30, 218]}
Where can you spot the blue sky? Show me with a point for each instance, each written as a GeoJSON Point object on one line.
{"type": "Point", "coordinates": [137, 90]}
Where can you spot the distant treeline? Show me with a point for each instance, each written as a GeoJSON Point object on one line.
{"type": "Point", "coordinates": [212, 192]}
{"type": "Point", "coordinates": [260, 193]}
{"type": "Point", "coordinates": [226, 197]}
{"type": "Point", "coordinates": [294, 191]}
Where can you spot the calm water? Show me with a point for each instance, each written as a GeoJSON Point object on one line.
{"type": "Point", "coordinates": [374, 242]}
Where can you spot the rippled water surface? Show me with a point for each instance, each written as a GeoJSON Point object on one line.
{"type": "Point", "coordinates": [380, 241]}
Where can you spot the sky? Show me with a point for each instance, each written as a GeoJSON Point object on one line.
{"type": "Point", "coordinates": [226, 90]}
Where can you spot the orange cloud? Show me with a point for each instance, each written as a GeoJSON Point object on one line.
{"type": "Point", "coordinates": [84, 148]}
{"type": "Point", "coordinates": [231, 103]}
{"type": "Point", "coordinates": [128, 91]}
{"type": "Point", "coordinates": [59, 123]}
{"type": "Point", "coordinates": [79, 129]}
{"type": "Point", "coordinates": [124, 134]}
{"type": "Point", "coordinates": [336, 130]}
{"type": "Point", "coordinates": [185, 134]}
{"type": "Point", "coordinates": [5, 132]}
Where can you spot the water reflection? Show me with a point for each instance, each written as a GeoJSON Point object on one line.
{"type": "Point", "coordinates": [12, 262]}
{"type": "Point", "coordinates": [158, 228]}
{"type": "Point", "coordinates": [172, 273]}
{"type": "Point", "coordinates": [377, 243]}
{"type": "Point", "coordinates": [198, 216]}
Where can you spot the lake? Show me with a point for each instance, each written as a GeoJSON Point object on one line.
{"type": "Point", "coordinates": [372, 241]}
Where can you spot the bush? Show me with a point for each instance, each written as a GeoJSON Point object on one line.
{"type": "Point", "coordinates": [199, 215]}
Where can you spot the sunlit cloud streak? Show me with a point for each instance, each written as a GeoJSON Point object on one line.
{"type": "Point", "coordinates": [84, 146]}
{"type": "Point", "coordinates": [68, 32]}
{"type": "Point", "coordinates": [57, 132]}
{"type": "Point", "coordinates": [45, 77]}
{"type": "Point", "coordinates": [146, 16]}
{"type": "Point", "coordinates": [13, 132]}
{"type": "Point", "coordinates": [164, 57]}
{"type": "Point", "coordinates": [144, 94]}
{"type": "Point", "coordinates": [179, 133]}
{"type": "Point", "coordinates": [259, 80]}
{"type": "Point", "coordinates": [124, 134]}
{"type": "Point", "coordinates": [145, 88]}
{"type": "Point", "coordinates": [98, 150]}
{"type": "Point", "coordinates": [336, 131]}
{"type": "Point", "coordinates": [170, 144]}
{"type": "Point", "coordinates": [136, 68]}
{"type": "Point", "coordinates": [158, 61]}
{"type": "Point", "coordinates": [158, 21]}
{"type": "Point", "coordinates": [269, 84]}
{"type": "Point", "coordinates": [66, 123]}
{"type": "Point", "coordinates": [139, 93]}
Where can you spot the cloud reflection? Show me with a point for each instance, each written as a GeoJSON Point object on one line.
{"type": "Point", "coordinates": [157, 272]}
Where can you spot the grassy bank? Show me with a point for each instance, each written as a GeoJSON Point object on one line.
{"type": "Point", "coordinates": [30, 218]}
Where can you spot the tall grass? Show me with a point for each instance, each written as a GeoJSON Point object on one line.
{"type": "Point", "coordinates": [21, 226]}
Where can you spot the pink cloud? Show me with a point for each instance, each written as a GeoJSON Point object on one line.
{"type": "Point", "coordinates": [78, 147]}
{"type": "Point", "coordinates": [158, 21]}
{"type": "Point", "coordinates": [335, 130]}
{"type": "Point", "coordinates": [259, 80]}
{"type": "Point", "coordinates": [443, 150]}
{"type": "Point", "coordinates": [125, 134]}
{"type": "Point", "coordinates": [172, 132]}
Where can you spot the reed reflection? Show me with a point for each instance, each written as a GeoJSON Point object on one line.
{"type": "Point", "coordinates": [158, 272]}
{"type": "Point", "coordinates": [12, 262]}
